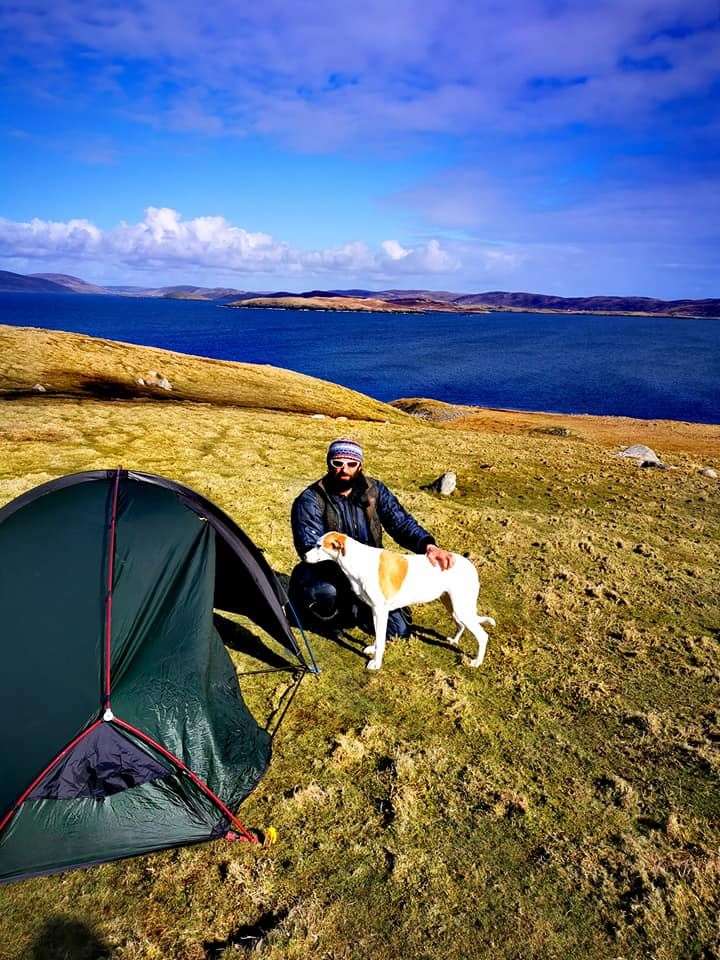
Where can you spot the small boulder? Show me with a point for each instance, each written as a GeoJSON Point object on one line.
{"type": "Point", "coordinates": [643, 456]}
{"type": "Point", "coordinates": [317, 416]}
{"type": "Point", "coordinates": [39, 388]}
{"type": "Point", "coordinates": [153, 378]}
{"type": "Point", "coordinates": [444, 484]}
{"type": "Point", "coordinates": [708, 472]}
{"type": "Point", "coordinates": [641, 453]}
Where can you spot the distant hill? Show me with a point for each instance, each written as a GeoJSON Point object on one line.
{"type": "Point", "coordinates": [443, 301]}
{"type": "Point", "coordinates": [181, 292]}
{"type": "Point", "coordinates": [75, 284]}
{"type": "Point", "coordinates": [201, 293]}
{"type": "Point", "coordinates": [362, 304]}
{"type": "Point", "coordinates": [19, 283]}
{"type": "Point", "coordinates": [392, 300]}
{"type": "Point", "coordinates": [599, 304]}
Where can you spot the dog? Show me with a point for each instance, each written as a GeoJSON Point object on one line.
{"type": "Point", "coordinates": [387, 581]}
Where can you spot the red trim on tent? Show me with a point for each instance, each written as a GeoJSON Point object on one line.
{"type": "Point", "coordinates": [23, 796]}
{"type": "Point", "coordinates": [245, 834]}
{"type": "Point", "coordinates": [109, 590]}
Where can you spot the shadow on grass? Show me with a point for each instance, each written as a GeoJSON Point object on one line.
{"type": "Point", "coordinates": [342, 638]}
{"type": "Point", "coordinates": [63, 938]}
{"type": "Point", "coordinates": [337, 635]}
{"type": "Point", "coordinates": [432, 637]}
{"type": "Point", "coordinates": [238, 638]}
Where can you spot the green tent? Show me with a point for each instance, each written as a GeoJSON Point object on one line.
{"type": "Point", "coordinates": [122, 725]}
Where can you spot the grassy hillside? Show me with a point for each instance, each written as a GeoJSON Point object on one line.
{"type": "Point", "coordinates": [561, 801]}
{"type": "Point", "coordinates": [71, 364]}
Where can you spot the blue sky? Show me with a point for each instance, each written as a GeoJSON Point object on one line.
{"type": "Point", "coordinates": [560, 147]}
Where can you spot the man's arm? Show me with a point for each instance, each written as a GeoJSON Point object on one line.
{"type": "Point", "coordinates": [406, 531]}
{"type": "Point", "coordinates": [306, 519]}
{"type": "Point", "coordinates": [400, 524]}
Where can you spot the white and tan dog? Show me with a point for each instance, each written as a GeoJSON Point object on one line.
{"type": "Point", "coordinates": [387, 581]}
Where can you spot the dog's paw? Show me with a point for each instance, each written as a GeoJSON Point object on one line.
{"type": "Point", "coordinates": [453, 641]}
{"type": "Point", "coordinates": [369, 651]}
{"type": "Point", "coordinates": [476, 661]}
{"type": "Point", "coordinates": [487, 621]}
{"type": "Point", "coordinates": [373, 664]}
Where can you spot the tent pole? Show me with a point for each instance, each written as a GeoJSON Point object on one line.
{"type": "Point", "coordinates": [314, 669]}
{"type": "Point", "coordinates": [200, 784]}
{"type": "Point", "coordinates": [293, 690]}
{"type": "Point", "coordinates": [109, 587]}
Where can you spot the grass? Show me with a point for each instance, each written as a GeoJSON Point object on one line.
{"type": "Point", "coordinates": [561, 801]}
{"type": "Point", "coordinates": [71, 364]}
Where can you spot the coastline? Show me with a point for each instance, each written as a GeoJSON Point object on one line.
{"type": "Point", "coordinates": [676, 436]}
{"type": "Point", "coordinates": [78, 366]}
{"type": "Point", "coordinates": [368, 305]}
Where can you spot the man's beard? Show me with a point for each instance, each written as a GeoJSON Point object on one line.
{"type": "Point", "coordinates": [340, 484]}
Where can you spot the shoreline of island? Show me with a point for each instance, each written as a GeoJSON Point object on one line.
{"type": "Point", "coordinates": [372, 305]}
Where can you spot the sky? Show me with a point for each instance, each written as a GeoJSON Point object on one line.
{"type": "Point", "coordinates": [552, 146]}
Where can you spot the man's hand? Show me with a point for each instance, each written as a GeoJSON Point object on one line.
{"type": "Point", "coordinates": [439, 557]}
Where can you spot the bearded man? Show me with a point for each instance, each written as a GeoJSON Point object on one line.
{"type": "Point", "coordinates": [349, 501]}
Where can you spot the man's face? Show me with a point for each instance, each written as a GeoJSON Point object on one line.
{"type": "Point", "coordinates": [343, 471]}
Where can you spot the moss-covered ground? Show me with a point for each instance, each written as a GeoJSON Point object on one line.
{"type": "Point", "coordinates": [562, 801]}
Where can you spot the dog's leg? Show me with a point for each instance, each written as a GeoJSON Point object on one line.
{"type": "Point", "coordinates": [465, 613]}
{"type": "Point", "coordinates": [474, 626]}
{"type": "Point", "coordinates": [381, 618]}
{"type": "Point", "coordinates": [448, 604]}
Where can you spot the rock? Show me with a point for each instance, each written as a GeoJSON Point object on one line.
{"type": "Point", "coordinates": [444, 484]}
{"type": "Point", "coordinates": [644, 455]}
{"type": "Point", "coordinates": [644, 550]}
{"type": "Point", "coordinates": [39, 388]}
{"type": "Point", "coordinates": [341, 418]}
{"type": "Point", "coordinates": [154, 378]}
{"type": "Point", "coordinates": [141, 381]}
{"type": "Point", "coordinates": [552, 431]}
{"type": "Point", "coordinates": [646, 722]}
{"type": "Point", "coordinates": [653, 465]}
{"type": "Point", "coordinates": [708, 472]}
{"type": "Point", "coordinates": [317, 416]}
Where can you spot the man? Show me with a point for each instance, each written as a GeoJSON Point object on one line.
{"type": "Point", "coordinates": [348, 501]}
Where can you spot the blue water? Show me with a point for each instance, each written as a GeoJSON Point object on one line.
{"type": "Point", "coordinates": [653, 368]}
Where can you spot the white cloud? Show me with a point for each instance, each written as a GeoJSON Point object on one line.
{"type": "Point", "coordinates": [163, 239]}
{"type": "Point", "coordinates": [393, 249]}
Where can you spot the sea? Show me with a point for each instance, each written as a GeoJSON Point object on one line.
{"type": "Point", "coordinates": [648, 367]}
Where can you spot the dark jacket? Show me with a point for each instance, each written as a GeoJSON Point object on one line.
{"type": "Point", "coordinates": [363, 514]}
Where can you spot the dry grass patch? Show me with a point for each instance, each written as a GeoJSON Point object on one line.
{"type": "Point", "coordinates": [561, 801]}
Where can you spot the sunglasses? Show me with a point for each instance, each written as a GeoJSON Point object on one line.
{"type": "Point", "coordinates": [350, 464]}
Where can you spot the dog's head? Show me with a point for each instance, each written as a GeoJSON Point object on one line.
{"type": "Point", "coordinates": [330, 546]}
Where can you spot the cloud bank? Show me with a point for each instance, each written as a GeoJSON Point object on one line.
{"type": "Point", "coordinates": [163, 239]}
{"type": "Point", "coordinates": [321, 74]}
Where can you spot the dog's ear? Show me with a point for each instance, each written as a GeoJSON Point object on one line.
{"type": "Point", "coordinates": [337, 542]}
{"type": "Point", "coordinates": [334, 541]}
